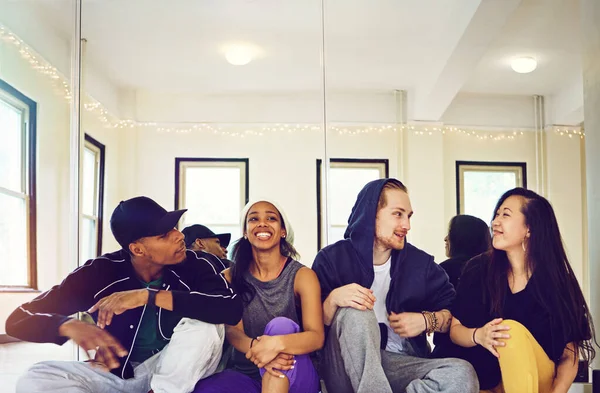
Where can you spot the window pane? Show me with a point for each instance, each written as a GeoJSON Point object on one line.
{"type": "Point", "coordinates": [212, 195]}
{"type": "Point", "coordinates": [13, 241]}
{"type": "Point", "coordinates": [88, 239]}
{"type": "Point", "coordinates": [89, 182]}
{"type": "Point", "coordinates": [483, 189]}
{"type": "Point", "coordinates": [11, 153]}
{"type": "Point", "coordinates": [345, 186]}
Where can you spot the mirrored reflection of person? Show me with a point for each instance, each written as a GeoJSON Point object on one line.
{"type": "Point", "coordinates": [201, 238]}
{"type": "Point", "coordinates": [467, 237]}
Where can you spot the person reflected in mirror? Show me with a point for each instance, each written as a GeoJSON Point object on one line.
{"type": "Point", "coordinates": [201, 238]}
{"type": "Point", "coordinates": [159, 312]}
{"type": "Point", "coordinates": [381, 296]}
{"type": "Point", "coordinates": [467, 237]}
{"type": "Point", "coordinates": [519, 312]}
{"type": "Point", "coordinates": [282, 322]}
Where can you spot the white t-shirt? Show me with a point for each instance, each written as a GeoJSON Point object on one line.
{"type": "Point", "coordinates": [380, 288]}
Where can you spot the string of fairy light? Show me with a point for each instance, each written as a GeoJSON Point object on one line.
{"type": "Point", "coordinates": [107, 119]}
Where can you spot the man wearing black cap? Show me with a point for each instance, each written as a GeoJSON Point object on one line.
{"type": "Point", "coordinates": [200, 238]}
{"type": "Point", "coordinates": [149, 294]}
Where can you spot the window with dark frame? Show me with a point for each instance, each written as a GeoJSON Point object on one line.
{"type": "Point", "coordinates": [18, 262]}
{"type": "Point", "coordinates": [479, 185]}
{"type": "Point", "coordinates": [92, 198]}
{"type": "Point", "coordinates": [347, 176]}
{"type": "Point", "coordinates": [214, 190]}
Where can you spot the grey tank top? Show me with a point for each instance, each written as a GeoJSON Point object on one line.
{"type": "Point", "coordinates": [275, 298]}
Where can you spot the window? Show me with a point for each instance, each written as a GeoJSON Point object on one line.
{"type": "Point", "coordinates": [479, 185]}
{"type": "Point", "coordinates": [346, 178]}
{"type": "Point", "coordinates": [17, 189]}
{"type": "Point", "coordinates": [214, 190]}
{"type": "Point", "coordinates": [92, 198]}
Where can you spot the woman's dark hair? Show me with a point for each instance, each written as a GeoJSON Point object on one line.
{"type": "Point", "coordinates": [468, 236]}
{"type": "Point", "coordinates": [554, 284]}
{"type": "Point", "coordinates": [242, 258]}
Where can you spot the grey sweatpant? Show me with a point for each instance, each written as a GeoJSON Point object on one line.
{"type": "Point", "coordinates": [353, 362]}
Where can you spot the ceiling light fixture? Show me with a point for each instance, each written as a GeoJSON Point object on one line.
{"type": "Point", "coordinates": [240, 54]}
{"type": "Point", "coordinates": [524, 65]}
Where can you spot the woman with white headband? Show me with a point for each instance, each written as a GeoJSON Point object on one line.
{"type": "Point", "coordinates": [282, 321]}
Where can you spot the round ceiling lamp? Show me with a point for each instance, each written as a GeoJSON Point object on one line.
{"type": "Point", "coordinates": [239, 54]}
{"type": "Point", "coordinates": [524, 65]}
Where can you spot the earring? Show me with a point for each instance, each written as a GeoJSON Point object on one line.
{"type": "Point", "coordinates": [245, 236]}
{"type": "Point", "coordinates": [283, 236]}
{"type": "Point", "coordinates": [523, 245]}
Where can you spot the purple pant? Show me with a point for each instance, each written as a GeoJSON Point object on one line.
{"type": "Point", "coordinates": [303, 377]}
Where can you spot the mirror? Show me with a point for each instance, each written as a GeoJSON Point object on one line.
{"type": "Point", "coordinates": [202, 106]}
{"type": "Point", "coordinates": [424, 91]}
{"type": "Point", "coordinates": [36, 112]}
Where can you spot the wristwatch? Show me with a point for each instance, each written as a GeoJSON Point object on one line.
{"type": "Point", "coordinates": [151, 297]}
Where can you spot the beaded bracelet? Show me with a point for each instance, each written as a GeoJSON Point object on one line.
{"type": "Point", "coordinates": [433, 322]}
{"type": "Point", "coordinates": [425, 318]}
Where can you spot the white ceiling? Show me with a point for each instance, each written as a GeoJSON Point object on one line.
{"type": "Point", "coordinates": [548, 30]}
{"type": "Point", "coordinates": [434, 49]}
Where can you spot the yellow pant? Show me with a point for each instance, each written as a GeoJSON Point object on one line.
{"type": "Point", "coordinates": [524, 365]}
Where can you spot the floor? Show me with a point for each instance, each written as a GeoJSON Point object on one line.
{"type": "Point", "coordinates": [15, 358]}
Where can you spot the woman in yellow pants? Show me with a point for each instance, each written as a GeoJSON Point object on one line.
{"type": "Point", "coordinates": [524, 365]}
{"type": "Point", "coordinates": [519, 312]}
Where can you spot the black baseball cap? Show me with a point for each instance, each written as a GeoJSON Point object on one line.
{"type": "Point", "coordinates": [198, 231]}
{"type": "Point", "coordinates": [141, 217]}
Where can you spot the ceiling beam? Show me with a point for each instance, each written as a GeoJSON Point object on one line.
{"type": "Point", "coordinates": [567, 105]}
{"type": "Point", "coordinates": [485, 25]}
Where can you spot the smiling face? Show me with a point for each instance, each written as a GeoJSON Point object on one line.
{"type": "Point", "coordinates": [393, 220]}
{"type": "Point", "coordinates": [510, 232]}
{"type": "Point", "coordinates": [264, 227]}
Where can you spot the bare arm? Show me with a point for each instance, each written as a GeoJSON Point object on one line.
{"type": "Point", "coordinates": [267, 348]}
{"type": "Point", "coordinates": [412, 324]}
{"type": "Point", "coordinates": [306, 285]}
{"type": "Point", "coordinates": [487, 336]}
{"type": "Point", "coordinates": [329, 309]}
{"type": "Point", "coordinates": [566, 370]}
{"type": "Point", "coordinates": [351, 295]}
{"type": "Point", "coordinates": [237, 337]}
{"type": "Point", "coordinates": [461, 335]}
{"type": "Point", "coordinates": [235, 334]}
{"type": "Point", "coordinates": [444, 319]}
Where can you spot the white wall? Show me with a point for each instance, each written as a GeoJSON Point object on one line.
{"type": "Point", "coordinates": [52, 174]}
{"type": "Point", "coordinates": [490, 111]}
{"type": "Point", "coordinates": [460, 147]}
{"type": "Point", "coordinates": [53, 189]}
{"type": "Point", "coordinates": [289, 159]}
{"type": "Point", "coordinates": [141, 161]}
{"type": "Point", "coordinates": [281, 165]}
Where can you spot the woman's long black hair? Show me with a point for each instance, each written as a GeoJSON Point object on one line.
{"type": "Point", "coordinates": [468, 236]}
{"type": "Point", "coordinates": [555, 286]}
